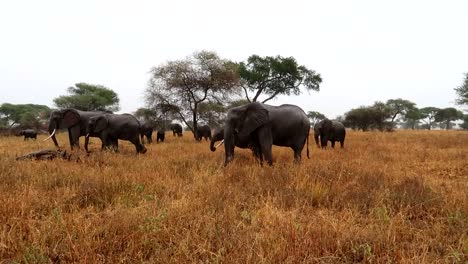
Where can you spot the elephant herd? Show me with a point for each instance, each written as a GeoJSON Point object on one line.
{"type": "Point", "coordinates": [254, 125]}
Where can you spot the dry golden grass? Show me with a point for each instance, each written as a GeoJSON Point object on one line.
{"type": "Point", "coordinates": [386, 198]}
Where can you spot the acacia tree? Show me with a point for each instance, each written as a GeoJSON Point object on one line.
{"type": "Point", "coordinates": [462, 92]}
{"type": "Point", "coordinates": [399, 108]}
{"type": "Point", "coordinates": [412, 118]}
{"type": "Point", "coordinates": [212, 113]}
{"type": "Point", "coordinates": [23, 115]}
{"type": "Point", "coordinates": [428, 115]}
{"type": "Point", "coordinates": [89, 97]}
{"type": "Point", "coordinates": [189, 82]}
{"type": "Point", "coordinates": [315, 116]}
{"type": "Point", "coordinates": [272, 76]}
{"type": "Point", "coordinates": [447, 115]}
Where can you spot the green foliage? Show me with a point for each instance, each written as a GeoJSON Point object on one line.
{"type": "Point", "coordinates": [315, 116]}
{"type": "Point", "coordinates": [399, 108]}
{"type": "Point", "coordinates": [88, 97]}
{"type": "Point", "coordinates": [447, 115]}
{"type": "Point", "coordinates": [369, 117]}
{"type": "Point", "coordinates": [187, 83]}
{"type": "Point", "coordinates": [464, 125]}
{"type": "Point", "coordinates": [23, 115]}
{"type": "Point", "coordinates": [428, 115]}
{"type": "Point", "coordinates": [212, 113]}
{"type": "Point", "coordinates": [412, 118]}
{"type": "Point", "coordinates": [462, 92]}
{"type": "Point", "coordinates": [276, 75]}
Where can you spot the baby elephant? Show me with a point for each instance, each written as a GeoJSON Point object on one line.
{"type": "Point", "coordinates": [28, 133]}
{"type": "Point", "coordinates": [160, 136]}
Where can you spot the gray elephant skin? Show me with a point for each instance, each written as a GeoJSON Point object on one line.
{"type": "Point", "coordinates": [112, 127]}
{"type": "Point", "coordinates": [160, 135]}
{"type": "Point", "coordinates": [75, 121]}
{"type": "Point", "coordinates": [264, 125]}
{"type": "Point", "coordinates": [146, 130]}
{"type": "Point", "coordinates": [176, 129]}
{"type": "Point", "coordinates": [28, 133]}
{"type": "Point", "coordinates": [329, 130]}
{"type": "Point", "coordinates": [250, 143]}
{"type": "Point", "coordinates": [203, 132]}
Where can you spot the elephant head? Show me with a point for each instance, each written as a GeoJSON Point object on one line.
{"type": "Point", "coordinates": [241, 122]}
{"type": "Point", "coordinates": [325, 129]}
{"type": "Point", "coordinates": [65, 118]}
{"type": "Point", "coordinates": [218, 135]}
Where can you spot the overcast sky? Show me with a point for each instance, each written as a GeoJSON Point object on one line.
{"type": "Point", "coordinates": [364, 50]}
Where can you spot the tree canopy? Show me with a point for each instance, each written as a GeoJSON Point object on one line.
{"type": "Point", "coordinates": [462, 92]}
{"type": "Point", "coordinates": [89, 97]}
{"type": "Point", "coordinates": [272, 76]}
{"type": "Point", "coordinates": [399, 108]}
{"type": "Point", "coordinates": [428, 115]}
{"type": "Point", "coordinates": [23, 115]}
{"type": "Point", "coordinates": [447, 115]}
{"type": "Point", "coordinates": [315, 117]}
{"type": "Point", "coordinates": [369, 117]}
{"type": "Point", "coordinates": [187, 83]}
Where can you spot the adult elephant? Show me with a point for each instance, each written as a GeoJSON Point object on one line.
{"type": "Point", "coordinates": [203, 132]}
{"type": "Point", "coordinates": [110, 127]}
{"type": "Point", "coordinates": [329, 130]}
{"type": "Point", "coordinates": [264, 125]}
{"type": "Point", "coordinates": [75, 121]}
{"type": "Point", "coordinates": [28, 133]}
{"type": "Point", "coordinates": [176, 129]}
{"type": "Point", "coordinates": [146, 130]}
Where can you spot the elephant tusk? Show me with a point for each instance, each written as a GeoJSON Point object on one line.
{"type": "Point", "coordinates": [51, 135]}
{"type": "Point", "coordinates": [87, 135]}
{"type": "Point", "coordinates": [219, 144]}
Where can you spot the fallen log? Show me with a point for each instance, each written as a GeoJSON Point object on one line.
{"type": "Point", "coordinates": [46, 154]}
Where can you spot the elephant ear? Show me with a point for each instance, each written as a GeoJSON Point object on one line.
{"type": "Point", "coordinates": [70, 118]}
{"type": "Point", "coordinates": [255, 116]}
{"type": "Point", "coordinates": [101, 123]}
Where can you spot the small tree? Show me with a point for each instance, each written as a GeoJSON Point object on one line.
{"type": "Point", "coordinates": [398, 108]}
{"type": "Point", "coordinates": [187, 83]}
{"type": "Point", "coordinates": [428, 115]}
{"type": "Point", "coordinates": [462, 92]}
{"type": "Point", "coordinates": [464, 125]}
{"type": "Point", "coordinates": [24, 115]}
{"type": "Point", "coordinates": [447, 115]}
{"type": "Point", "coordinates": [275, 75]}
{"type": "Point", "coordinates": [212, 113]}
{"type": "Point", "coordinates": [412, 118]}
{"type": "Point", "coordinates": [89, 97]}
{"type": "Point", "coordinates": [315, 117]}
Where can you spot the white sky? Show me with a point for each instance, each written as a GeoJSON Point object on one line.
{"type": "Point", "coordinates": [364, 50]}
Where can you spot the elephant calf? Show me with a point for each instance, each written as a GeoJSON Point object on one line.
{"type": "Point", "coordinates": [111, 127]}
{"type": "Point", "coordinates": [203, 132]}
{"type": "Point", "coordinates": [328, 130]}
{"type": "Point", "coordinates": [28, 133]}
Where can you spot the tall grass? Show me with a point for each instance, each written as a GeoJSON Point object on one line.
{"type": "Point", "coordinates": [386, 197]}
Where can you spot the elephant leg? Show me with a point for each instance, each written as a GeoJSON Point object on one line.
{"type": "Point", "coordinates": [266, 141]}
{"type": "Point", "coordinates": [74, 136]}
{"type": "Point", "coordinates": [297, 155]}
{"type": "Point", "coordinates": [333, 143]}
{"type": "Point", "coordinates": [342, 143]}
{"type": "Point", "coordinates": [140, 148]}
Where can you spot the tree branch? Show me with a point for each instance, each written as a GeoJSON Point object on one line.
{"type": "Point", "coordinates": [246, 93]}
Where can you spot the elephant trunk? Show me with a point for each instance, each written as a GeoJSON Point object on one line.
{"type": "Point", "coordinates": [53, 127]}
{"type": "Point", "coordinates": [228, 144]}
{"type": "Point", "coordinates": [212, 147]}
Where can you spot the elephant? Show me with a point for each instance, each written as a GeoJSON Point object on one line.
{"type": "Point", "coordinates": [160, 135]}
{"type": "Point", "coordinates": [176, 130]}
{"type": "Point", "coordinates": [203, 132]}
{"type": "Point", "coordinates": [261, 126]}
{"type": "Point", "coordinates": [146, 131]}
{"type": "Point", "coordinates": [28, 133]}
{"type": "Point", "coordinates": [110, 127]}
{"type": "Point", "coordinates": [75, 121]}
{"type": "Point", "coordinates": [251, 143]}
{"type": "Point", "coordinates": [329, 130]}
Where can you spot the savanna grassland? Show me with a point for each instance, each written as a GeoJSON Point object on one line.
{"type": "Point", "coordinates": [397, 197]}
